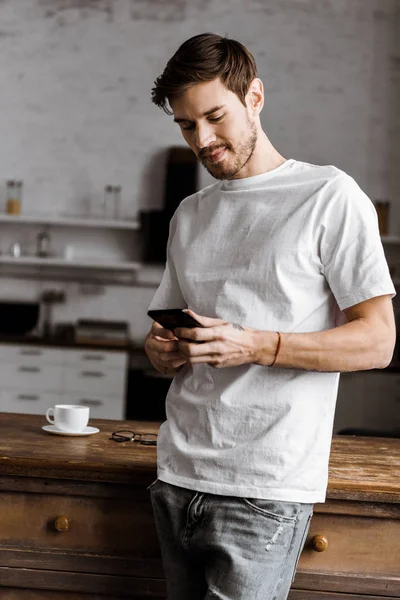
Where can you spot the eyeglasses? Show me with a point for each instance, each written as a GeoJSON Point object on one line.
{"type": "Point", "coordinates": [126, 435]}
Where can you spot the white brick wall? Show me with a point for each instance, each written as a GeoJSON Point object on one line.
{"type": "Point", "coordinates": [75, 111]}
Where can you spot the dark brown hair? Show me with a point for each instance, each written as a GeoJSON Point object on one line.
{"type": "Point", "coordinates": [205, 57]}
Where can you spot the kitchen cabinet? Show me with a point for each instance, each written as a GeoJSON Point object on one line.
{"type": "Point", "coordinates": [77, 518]}
{"type": "Point", "coordinates": [32, 377]}
{"type": "Point", "coordinates": [369, 400]}
{"type": "Point", "coordinates": [361, 551]}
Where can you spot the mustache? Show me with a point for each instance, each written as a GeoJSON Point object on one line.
{"type": "Point", "coordinates": [206, 152]}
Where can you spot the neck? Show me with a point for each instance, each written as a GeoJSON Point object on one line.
{"type": "Point", "coordinates": [264, 158]}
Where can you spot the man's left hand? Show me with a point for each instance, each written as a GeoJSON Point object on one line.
{"type": "Point", "coordinates": [223, 344]}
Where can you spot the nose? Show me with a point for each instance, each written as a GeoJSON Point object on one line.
{"type": "Point", "coordinates": [204, 135]}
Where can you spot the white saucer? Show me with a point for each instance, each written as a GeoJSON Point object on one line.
{"type": "Point", "coordinates": [87, 431]}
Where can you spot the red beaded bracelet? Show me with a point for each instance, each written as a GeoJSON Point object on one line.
{"type": "Point", "coordinates": [277, 349]}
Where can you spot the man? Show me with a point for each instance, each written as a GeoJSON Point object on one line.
{"type": "Point", "coordinates": [282, 264]}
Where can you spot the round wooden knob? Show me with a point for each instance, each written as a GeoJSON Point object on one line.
{"type": "Point", "coordinates": [61, 523]}
{"type": "Point", "coordinates": [319, 543]}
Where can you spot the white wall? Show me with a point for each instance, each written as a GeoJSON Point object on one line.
{"type": "Point", "coordinates": [75, 111]}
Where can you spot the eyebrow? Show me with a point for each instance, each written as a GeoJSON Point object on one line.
{"type": "Point", "coordinates": [206, 114]}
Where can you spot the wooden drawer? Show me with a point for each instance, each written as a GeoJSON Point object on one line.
{"type": "Point", "coordinates": [357, 545]}
{"type": "Point", "coordinates": [102, 526]}
{"type": "Point", "coordinates": [89, 359]}
{"type": "Point", "coordinates": [128, 592]}
{"type": "Point", "coordinates": [27, 402]}
{"type": "Point", "coordinates": [307, 595]}
{"type": "Point", "coordinates": [21, 594]}
{"type": "Point", "coordinates": [31, 375]}
{"type": "Point", "coordinates": [94, 381]}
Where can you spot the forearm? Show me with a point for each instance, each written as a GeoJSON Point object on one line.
{"type": "Point", "coordinates": [355, 346]}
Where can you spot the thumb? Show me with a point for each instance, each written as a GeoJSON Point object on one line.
{"type": "Point", "coordinates": [205, 321]}
{"type": "Point", "coordinates": [160, 333]}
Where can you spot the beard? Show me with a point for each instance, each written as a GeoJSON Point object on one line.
{"type": "Point", "coordinates": [234, 159]}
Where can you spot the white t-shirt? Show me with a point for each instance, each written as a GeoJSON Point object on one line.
{"type": "Point", "coordinates": [286, 250]}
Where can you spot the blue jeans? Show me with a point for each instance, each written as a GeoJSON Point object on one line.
{"type": "Point", "coordinates": [227, 548]}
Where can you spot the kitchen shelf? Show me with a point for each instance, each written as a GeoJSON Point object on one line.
{"type": "Point", "coordinates": [33, 261]}
{"type": "Point", "coordinates": [69, 222]}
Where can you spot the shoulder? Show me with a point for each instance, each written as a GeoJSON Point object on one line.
{"type": "Point", "coordinates": [202, 194]}
{"type": "Point", "coordinates": [323, 175]}
{"type": "Point", "coordinates": [191, 203]}
{"type": "Point", "coordinates": [334, 187]}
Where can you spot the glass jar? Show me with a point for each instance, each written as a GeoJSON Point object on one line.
{"type": "Point", "coordinates": [14, 193]}
{"type": "Point", "coordinates": [117, 202]}
{"type": "Point", "coordinates": [43, 244]}
{"type": "Point", "coordinates": [383, 211]}
{"type": "Point", "coordinates": [108, 201]}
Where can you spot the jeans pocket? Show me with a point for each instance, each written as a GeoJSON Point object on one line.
{"type": "Point", "coordinates": [152, 485]}
{"type": "Point", "coordinates": [276, 509]}
{"type": "Point", "coordinates": [302, 543]}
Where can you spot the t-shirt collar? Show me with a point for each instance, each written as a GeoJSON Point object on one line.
{"type": "Point", "coordinates": [237, 184]}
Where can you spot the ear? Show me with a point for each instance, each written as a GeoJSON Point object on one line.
{"type": "Point", "coordinates": [255, 96]}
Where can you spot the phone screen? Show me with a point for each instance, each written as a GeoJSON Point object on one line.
{"type": "Point", "coordinates": [172, 318]}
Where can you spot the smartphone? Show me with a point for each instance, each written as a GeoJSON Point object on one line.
{"type": "Point", "coordinates": [170, 318]}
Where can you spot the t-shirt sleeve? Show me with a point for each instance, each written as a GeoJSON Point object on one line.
{"type": "Point", "coordinates": [168, 294]}
{"type": "Point", "coordinates": [352, 254]}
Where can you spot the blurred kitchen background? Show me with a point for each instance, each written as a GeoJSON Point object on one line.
{"type": "Point", "coordinates": [91, 172]}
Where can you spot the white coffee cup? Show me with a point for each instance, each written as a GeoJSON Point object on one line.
{"type": "Point", "coordinates": [68, 417]}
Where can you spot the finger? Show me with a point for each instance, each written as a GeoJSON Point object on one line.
{"type": "Point", "coordinates": [209, 359]}
{"type": "Point", "coordinates": [175, 364]}
{"type": "Point", "coordinates": [162, 345]}
{"type": "Point", "coordinates": [205, 321]}
{"type": "Point", "coordinates": [159, 337]}
{"type": "Point", "coordinates": [170, 356]}
{"type": "Point", "coordinates": [205, 349]}
{"type": "Point", "coordinates": [198, 334]}
{"type": "Point", "coordinates": [159, 330]}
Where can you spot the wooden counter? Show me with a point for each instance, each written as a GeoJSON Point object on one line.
{"type": "Point", "coordinates": [94, 491]}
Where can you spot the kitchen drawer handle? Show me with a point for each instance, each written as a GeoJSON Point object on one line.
{"type": "Point", "coordinates": [92, 374]}
{"type": "Point", "coordinates": [31, 352]}
{"type": "Point", "coordinates": [89, 402]}
{"type": "Point", "coordinates": [27, 397]}
{"type": "Point", "coordinates": [29, 369]}
{"type": "Point", "coordinates": [319, 543]}
{"type": "Point", "coordinates": [61, 523]}
{"type": "Point", "coordinates": [93, 357]}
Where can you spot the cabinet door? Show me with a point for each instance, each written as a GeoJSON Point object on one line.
{"type": "Point", "coordinates": [368, 400]}
{"type": "Point", "coordinates": [30, 369]}
{"type": "Point", "coordinates": [382, 393]}
{"type": "Point", "coordinates": [31, 375]}
{"type": "Point", "coordinates": [34, 355]}
{"type": "Point", "coordinates": [101, 407]}
{"type": "Point", "coordinates": [96, 359]}
{"type": "Point", "coordinates": [31, 402]}
{"type": "Point", "coordinates": [94, 380]}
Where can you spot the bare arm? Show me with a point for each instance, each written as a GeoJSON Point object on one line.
{"type": "Point", "coordinates": [365, 342]}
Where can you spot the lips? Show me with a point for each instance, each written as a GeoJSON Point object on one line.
{"type": "Point", "coordinates": [216, 156]}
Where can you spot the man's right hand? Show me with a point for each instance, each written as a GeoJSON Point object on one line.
{"type": "Point", "coordinates": [161, 347]}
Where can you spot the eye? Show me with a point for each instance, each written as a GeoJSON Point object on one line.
{"type": "Point", "coordinates": [215, 119]}
{"type": "Point", "coordinates": [189, 127]}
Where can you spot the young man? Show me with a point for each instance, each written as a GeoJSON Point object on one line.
{"type": "Point", "coordinates": [282, 264]}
